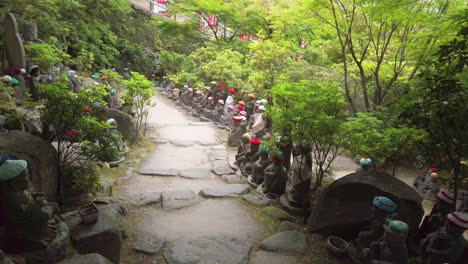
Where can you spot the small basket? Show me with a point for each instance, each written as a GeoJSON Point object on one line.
{"type": "Point", "coordinates": [88, 213]}
{"type": "Point", "coordinates": [337, 245]}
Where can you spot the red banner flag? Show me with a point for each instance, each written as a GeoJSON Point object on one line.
{"type": "Point", "coordinates": [212, 21]}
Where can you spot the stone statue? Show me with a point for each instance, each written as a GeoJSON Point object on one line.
{"type": "Point", "coordinates": [258, 173]}
{"type": "Point", "coordinates": [276, 175]}
{"type": "Point", "coordinates": [113, 100]}
{"type": "Point", "coordinates": [14, 47]}
{"type": "Point", "coordinates": [243, 148]}
{"type": "Point", "coordinates": [391, 248]}
{"type": "Point", "coordinates": [30, 221]}
{"type": "Point", "coordinates": [436, 219]}
{"type": "Point", "coordinates": [249, 108]}
{"type": "Point", "coordinates": [234, 139]}
{"type": "Point", "coordinates": [428, 185]}
{"type": "Point", "coordinates": [209, 107]}
{"type": "Point", "coordinates": [229, 100]}
{"type": "Point", "coordinates": [382, 209]}
{"type": "Point", "coordinates": [285, 145]}
{"type": "Point", "coordinates": [447, 244]}
{"type": "Point", "coordinates": [20, 88]}
{"type": "Point", "coordinates": [112, 129]}
{"type": "Point", "coordinates": [189, 97]}
{"type": "Point", "coordinates": [300, 176]}
{"type": "Point", "coordinates": [221, 93]}
{"type": "Point", "coordinates": [246, 163]}
{"type": "Point", "coordinates": [33, 81]}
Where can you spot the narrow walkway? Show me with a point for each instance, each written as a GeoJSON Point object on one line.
{"type": "Point", "coordinates": [184, 203]}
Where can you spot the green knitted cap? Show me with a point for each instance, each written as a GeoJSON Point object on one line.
{"type": "Point", "coordinates": [399, 226]}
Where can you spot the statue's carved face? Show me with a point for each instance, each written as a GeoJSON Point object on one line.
{"type": "Point", "coordinates": [21, 181]}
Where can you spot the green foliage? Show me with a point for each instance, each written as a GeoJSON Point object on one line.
{"type": "Point", "coordinates": [45, 55]}
{"type": "Point", "coordinates": [311, 112]}
{"type": "Point", "coordinates": [437, 103]}
{"type": "Point", "coordinates": [367, 136]}
{"type": "Point", "coordinates": [267, 60]}
{"type": "Point", "coordinates": [86, 177]}
{"type": "Point", "coordinates": [225, 68]}
{"type": "Point", "coordinates": [67, 118]}
{"type": "Point", "coordinates": [138, 96]}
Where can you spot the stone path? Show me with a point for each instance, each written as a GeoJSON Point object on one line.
{"type": "Point", "coordinates": [186, 203]}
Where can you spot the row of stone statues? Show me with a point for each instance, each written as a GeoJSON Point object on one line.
{"type": "Point", "coordinates": [385, 238]}
{"type": "Point", "coordinates": [250, 128]}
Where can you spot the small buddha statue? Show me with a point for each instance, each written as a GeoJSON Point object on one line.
{"type": "Point", "coordinates": [447, 244]}
{"type": "Point", "coordinates": [436, 219]}
{"type": "Point", "coordinates": [258, 173]}
{"type": "Point", "coordinates": [113, 100]}
{"type": "Point", "coordinates": [229, 100]}
{"type": "Point", "coordinates": [276, 175]}
{"type": "Point", "coordinates": [234, 139]}
{"type": "Point", "coordinates": [391, 248]}
{"type": "Point", "coordinates": [247, 162]}
{"type": "Point", "coordinates": [221, 92]}
{"type": "Point", "coordinates": [382, 209]}
{"type": "Point", "coordinates": [33, 82]}
{"type": "Point", "coordinates": [428, 185]}
{"type": "Point", "coordinates": [249, 108]}
{"type": "Point", "coordinates": [30, 221]}
{"type": "Point", "coordinates": [299, 176]}
{"type": "Point", "coordinates": [189, 97]}
{"type": "Point", "coordinates": [209, 107]}
{"type": "Point", "coordinates": [218, 112]}
{"type": "Point", "coordinates": [284, 144]}
{"type": "Point", "coordinates": [243, 148]}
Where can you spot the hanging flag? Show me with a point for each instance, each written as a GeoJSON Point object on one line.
{"type": "Point", "coordinates": [162, 2]}
{"type": "Point", "coordinates": [212, 21]}
{"type": "Point", "coordinates": [303, 43]}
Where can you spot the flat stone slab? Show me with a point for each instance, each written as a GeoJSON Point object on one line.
{"type": "Point", "coordinates": [177, 199]}
{"type": "Point", "coordinates": [158, 172]}
{"type": "Point", "coordinates": [147, 243]}
{"type": "Point", "coordinates": [195, 173]}
{"type": "Point", "coordinates": [232, 178]}
{"type": "Point", "coordinates": [264, 257]}
{"type": "Point", "coordinates": [93, 258]}
{"type": "Point", "coordinates": [255, 199]}
{"type": "Point", "coordinates": [221, 167]}
{"type": "Point", "coordinates": [199, 124]}
{"type": "Point", "coordinates": [147, 198]}
{"type": "Point", "coordinates": [208, 250]}
{"type": "Point", "coordinates": [182, 143]}
{"type": "Point", "coordinates": [287, 241]}
{"type": "Point", "coordinates": [219, 154]}
{"type": "Point", "coordinates": [225, 190]}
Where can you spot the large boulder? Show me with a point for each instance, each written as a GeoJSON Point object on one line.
{"type": "Point", "coordinates": [103, 237]}
{"type": "Point", "coordinates": [343, 207]}
{"type": "Point", "coordinates": [126, 124]}
{"type": "Point", "coordinates": [40, 155]}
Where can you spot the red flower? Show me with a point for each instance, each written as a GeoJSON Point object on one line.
{"type": "Point", "coordinates": [72, 134]}
{"type": "Point", "coordinates": [86, 110]}
{"type": "Point", "coordinates": [255, 141]}
{"type": "Point", "coordinates": [221, 86]}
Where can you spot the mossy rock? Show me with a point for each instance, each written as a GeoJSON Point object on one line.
{"type": "Point", "coordinates": [13, 118]}
{"type": "Point", "coordinates": [275, 213]}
